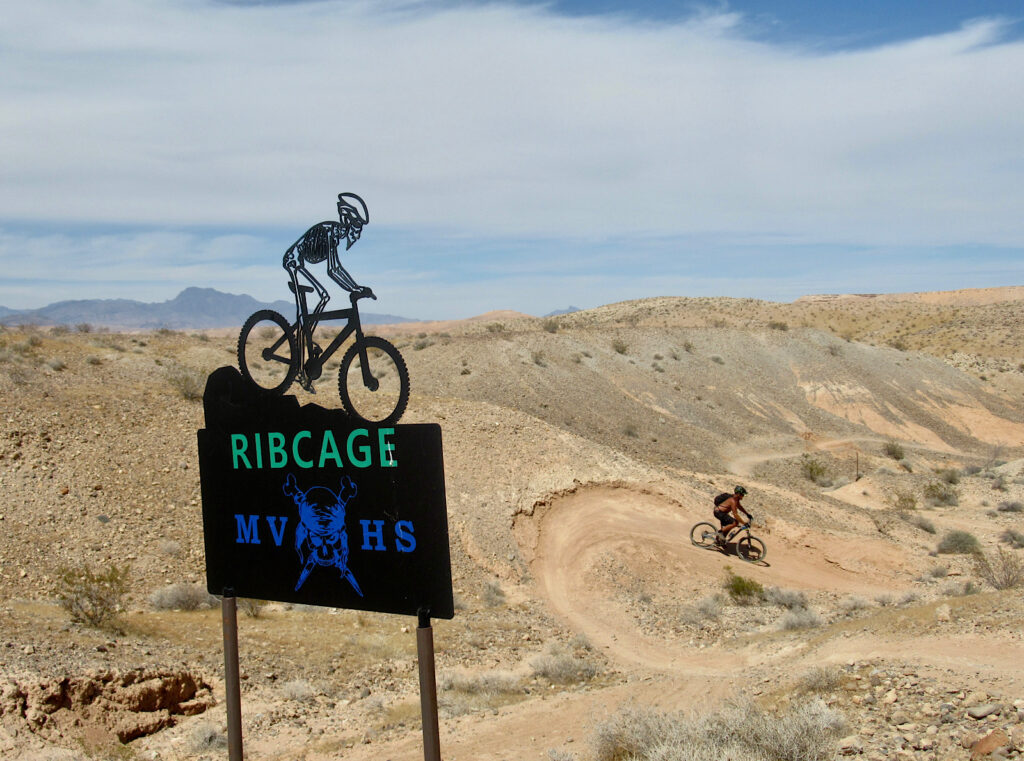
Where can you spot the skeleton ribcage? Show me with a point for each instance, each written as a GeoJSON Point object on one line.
{"type": "Point", "coordinates": [319, 242]}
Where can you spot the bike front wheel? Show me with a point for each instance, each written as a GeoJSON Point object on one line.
{"type": "Point", "coordinates": [379, 395]}
{"type": "Point", "coordinates": [268, 351]}
{"type": "Point", "coordinates": [751, 549]}
{"type": "Point", "coordinates": [703, 535]}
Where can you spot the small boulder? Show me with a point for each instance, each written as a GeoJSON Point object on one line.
{"type": "Point", "coordinates": [990, 743]}
{"type": "Point", "coordinates": [981, 711]}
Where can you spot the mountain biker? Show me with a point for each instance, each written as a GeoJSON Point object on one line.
{"type": "Point", "coordinates": [319, 243]}
{"type": "Point", "coordinates": [728, 513]}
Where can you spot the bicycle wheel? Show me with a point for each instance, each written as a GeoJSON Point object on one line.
{"type": "Point", "coordinates": [703, 535]}
{"type": "Point", "coordinates": [268, 352]}
{"type": "Point", "coordinates": [382, 401]}
{"type": "Point", "coordinates": [751, 549]}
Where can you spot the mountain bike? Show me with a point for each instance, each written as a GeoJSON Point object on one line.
{"type": "Point", "coordinates": [373, 381]}
{"type": "Point", "coordinates": [748, 546]}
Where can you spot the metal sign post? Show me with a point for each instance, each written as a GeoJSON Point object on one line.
{"type": "Point", "coordinates": [428, 688]}
{"type": "Point", "coordinates": [232, 689]}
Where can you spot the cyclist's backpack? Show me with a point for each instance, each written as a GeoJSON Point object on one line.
{"type": "Point", "coordinates": [722, 498]}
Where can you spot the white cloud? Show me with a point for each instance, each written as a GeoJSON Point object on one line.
{"type": "Point", "coordinates": [500, 119]}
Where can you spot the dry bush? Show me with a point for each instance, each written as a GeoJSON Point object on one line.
{"type": "Point", "coordinates": [1010, 507]}
{"type": "Point", "coordinates": [554, 754]}
{"type": "Point", "coordinates": [804, 731]}
{"type": "Point", "coordinates": [785, 598]}
{"type": "Point", "coordinates": [1002, 569]}
{"type": "Point", "coordinates": [814, 470]}
{"type": "Point", "coordinates": [893, 449]}
{"type": "Point", "coordinates": [207, 737]}
{"type": "Point", "coordinates": [919, 521]}
{"type": "Point", "coordinates": [251, 608]}
{"type": "Point", "coordinates": [189, 383]}
{"type": "Point", "coordinates": [489, 683]}
{"type": "Point", "coordinates": [801, 618]}
{"type": "Point", "coordinates": [904, 500]}
{"type": "Point", "coordinates": [620, 346]}
{"type": "Point", "coordinates": [949, 475]}
{"type": "Point", "coordinates": [1013, 538]}
{"type": "Point", "coordinates": [939, 493]}
{"type": "Point", "coordinates": [820, 679]}
{"type": "Point", "coordinates": [493, 595]}
{"type": "Point", "coordinates": [182, 597]}
{"type": "Point", "coordinates": [958, 542]}
{"type": "Point", "coordinates": [561, 667]}
{"type": "Point", "coordinates": [742, 591]}
{"type": "Point", "coordinates": [853, 603]}
{"type": "Point", "coordinates": [92, 597]}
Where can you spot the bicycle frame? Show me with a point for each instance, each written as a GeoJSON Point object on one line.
{"type": "Point", "coordinates": [313, 366]}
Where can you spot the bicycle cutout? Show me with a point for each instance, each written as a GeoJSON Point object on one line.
{"type": "Point", "coordinates": [373, 381]}
{"type": "Point", "coordinates": [748, 546]}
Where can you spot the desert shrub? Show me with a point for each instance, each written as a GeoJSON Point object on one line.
{"type": "Point", "coordinates": [189, 383]}
{"type": "Point", "coordinates": [949, 475]}
{"type": "Point", "coordinates": [743, 591]}
{"type": "Point", "coordinates": [495, 327]}
{"type": "Point", "coordinates": [785, 598]}
{"type": "Point", "coordinates": [688, 347]}
{"type": "Point", "coordinates": [908, 597]}
{"type": "Point", "coordinates": [777, 325]}
{"type": "Point", "coordinates": [893, 449]}
{"type": "Point", "coordinates": [488, 683]}
{"type": "Point", "coordinates": [820, 679]}
{"type": "Point", "coordinates": [56, 364]}
{"type": "Point", "coordinates": [206, 737]}
{"type": "Point", "coordinates": [631, 430]}
{"type": "Point", "coordinates": [92, 597]}
{"type": "Point", "coordinates": [181, 597]}
{"type": "Point", "coordinates": [554, 754]}
{"type": "Point", "coordinates": [717, 359]}
{"type": "Point", "coordinates": [802, 731]}
{"type": "Point", "coordinates": [938, 572]}
{"type": "Point", "coordinates": [83, 327]}
{"type": "Point", "coordinates": [1010, 507]}
{"type": "Point", "coordinates": [800, 618]}
{"type": "Point", "coordinates": [939, 493]}
{"type": "Point", "coordinates": [885, 599]}
{"type": "Point", "coordinates": [250, 607]}
{"type": "Point", "coordinates": [551, 326]}
{"type": "Point", "coordinates": [972, 470]}
{"type": "Point", "coordinates": [999, 482]}
{"type": "Point", "coordinates": [493, 595]}
{"type": "Point", "coordinates": [538, 358]}
{"type": "Point", "coordinates": [299, 690]}
{"type": "Point", "coordinates": [814, 470]}
{"type": "Point", "coordinates": [958, 542]}
{"type": "Point", "coordinates": [835, 350]}
{"type": "Point", "coordinates": [853, 603]}
{"type": "Point", "coordinates": [620, 346]}
{"type": "Point", "coordinates": [421, 344]}
{"type": "Point", "coordinates": [710, 607]}
{"type": "Point", "coordinates": [561, 667]}
{"type": "Point", "coordinates": [914, 519]}
{"type": "Point", "coordinates": [1013, 538]}
{"type": "Point", "coordinates": [1001, 569]}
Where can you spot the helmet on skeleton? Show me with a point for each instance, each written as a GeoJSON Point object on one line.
{"type": "Point", "coordinates": [353, 208]}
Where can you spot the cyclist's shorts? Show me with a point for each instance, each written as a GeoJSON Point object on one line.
{"type": "Point", "coordinates": [723, 517]}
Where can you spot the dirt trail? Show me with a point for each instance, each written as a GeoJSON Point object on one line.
{"type": "Point", "coordinates": [648, 534]}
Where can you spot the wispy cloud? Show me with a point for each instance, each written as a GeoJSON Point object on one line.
{"type": "Point", "coordinates": [494, 120]}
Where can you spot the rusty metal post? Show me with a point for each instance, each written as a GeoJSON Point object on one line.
{"type": "Point", "coordinates": [428, 689]}
{"type": "Point", "coordinates": [232, 689]}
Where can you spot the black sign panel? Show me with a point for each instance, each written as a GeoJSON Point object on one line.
{"type": "Point", "coordinates": [305, 505]}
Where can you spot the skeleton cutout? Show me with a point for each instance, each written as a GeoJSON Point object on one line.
{"type": "Point", "coordinates": [321, 538]}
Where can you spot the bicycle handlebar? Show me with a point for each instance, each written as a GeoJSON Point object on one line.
{"type": "Point", "coordinates": [362, 293]}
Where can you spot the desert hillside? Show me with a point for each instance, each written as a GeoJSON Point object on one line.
{"type": "Point", "coordinates": [881, 440]}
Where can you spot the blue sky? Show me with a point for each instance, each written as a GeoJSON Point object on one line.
{"type": "Point", "coordinates": [514, 155]}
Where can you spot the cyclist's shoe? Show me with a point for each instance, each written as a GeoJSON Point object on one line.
{"type": "Point", "coordinates": [719, 538]}
{"type": "Point", "coordinates": [315, 351]}
{"type": "Point", "coordinates": [306, 383]}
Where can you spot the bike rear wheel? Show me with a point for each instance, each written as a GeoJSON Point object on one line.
{"type": "Point", "coordinates": [268, 353]}
{"type": "Point", "coordinates": [383, 400]}
{"type": "Point", "coordinates": [751, 549]}
{"type": "Point", "coordinates": [703, 535]}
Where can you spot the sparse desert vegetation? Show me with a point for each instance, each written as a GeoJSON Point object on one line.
{"type": "Point", "coordinates": [578, 452]}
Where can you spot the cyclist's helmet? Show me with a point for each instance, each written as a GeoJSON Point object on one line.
{"type": "Point", "coordinates": [739, 490]}
{"type": "Point", "coordinates": [352, 210]}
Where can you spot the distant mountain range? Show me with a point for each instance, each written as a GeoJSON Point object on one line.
{"type": "Point", "coordinates": [558, 312]}
{"type": "Point", "coordinates": [192, 309]}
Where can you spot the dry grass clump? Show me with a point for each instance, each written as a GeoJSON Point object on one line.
{"type": "Point", "coordinates": [1010, 507]}
{"type": "Point", "coordinates": [1002, 569]}
{"type": "Point", "coordinates": [493, 595]}
{"type": "Point", "coordinates": [919, 521]}
{"type": "Point", "coordinates": [299, 690]}
{"type": "Point", "coordinates": [561, 667]}
{"type": "Point", "coordinates": [804, 731]}
{"type": "Point", "coordinates": [958, 542]}
{"type": "Point", "coordinates": [190, 384]}
{"type": "Point", "coordinates": [852, 604]}
{"type": "Point", "coordinates": [743, 591]}
{"type": "Point", "coordinates": [785, 598]}
{"type": "Point", "coordinates": [488, 683]}
{"type": "Point", "coordinates": [207, 737]}
{"type": "Point", "coordinates": [181, 597]}
{"type": "Point", "coordinates": [814, 470]}
{"type": "Point", "coordinates": [893, 449]}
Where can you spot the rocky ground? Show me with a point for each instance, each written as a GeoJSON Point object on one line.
{"type": "Point", "coordinates": [579, 451]}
